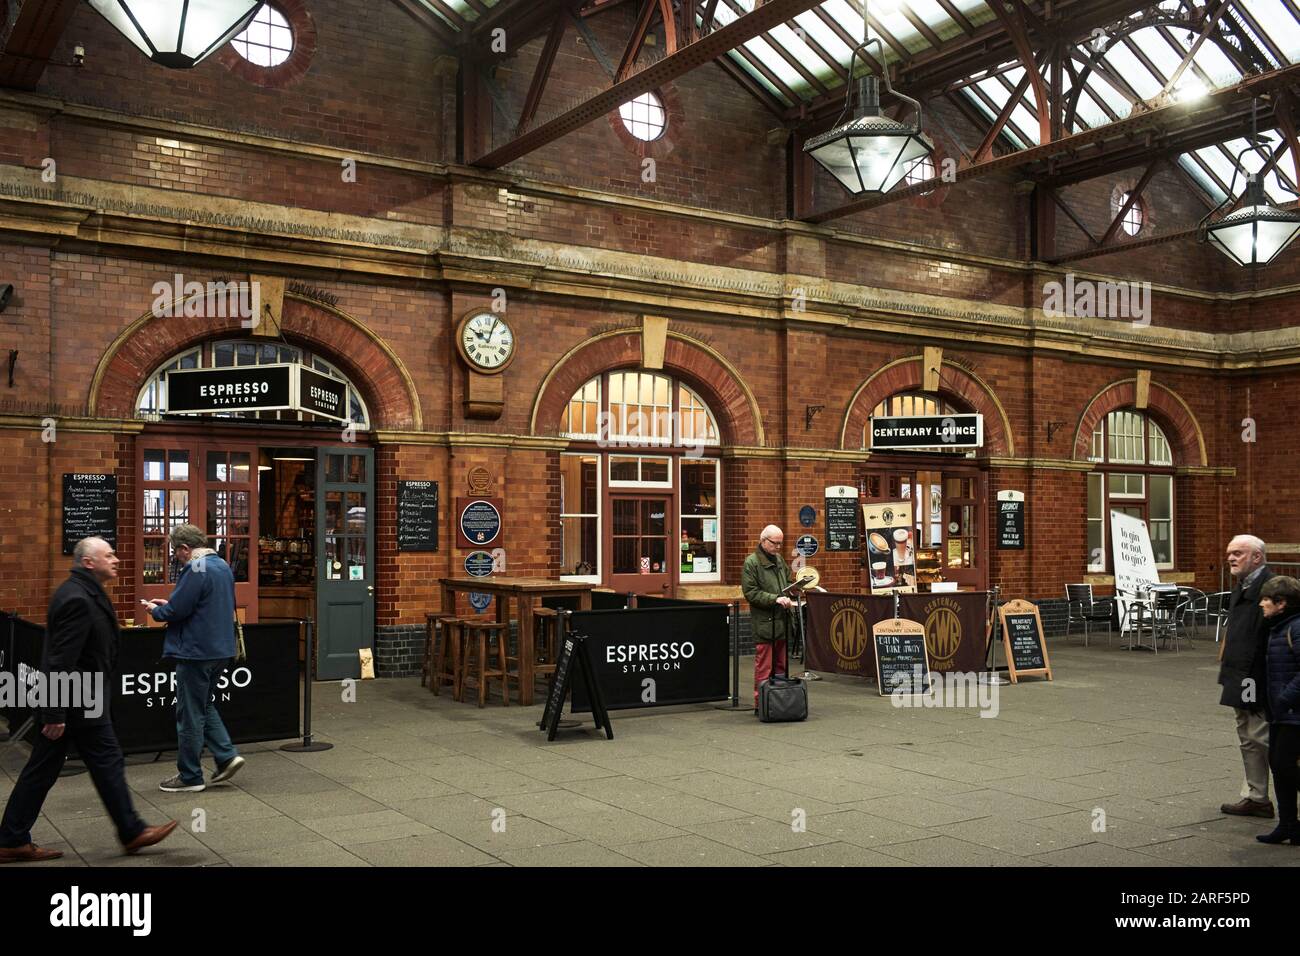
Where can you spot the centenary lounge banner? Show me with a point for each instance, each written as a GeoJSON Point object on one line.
{"type": "Point", "coordinates": [839, 629]}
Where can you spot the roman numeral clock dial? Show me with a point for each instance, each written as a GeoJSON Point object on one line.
{"type": "Point", "coordinates": [486, 342]}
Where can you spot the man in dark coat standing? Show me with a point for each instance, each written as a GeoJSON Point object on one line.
{"type": "Point", "coordinates": [81, 638]}
{"type": "Point", "coordinates": [1242, 672]}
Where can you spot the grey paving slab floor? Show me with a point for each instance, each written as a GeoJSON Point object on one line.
{"type": "Point", "coordinates": [1123, 760]}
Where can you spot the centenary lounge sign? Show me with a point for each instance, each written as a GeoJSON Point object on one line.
{"type": "Point", "coordinates": [256, 388]}
{"type": "Point", "coordinates": [928, 431]}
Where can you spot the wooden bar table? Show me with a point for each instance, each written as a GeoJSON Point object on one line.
{"type": "Point", "coordinates": [527, 593]}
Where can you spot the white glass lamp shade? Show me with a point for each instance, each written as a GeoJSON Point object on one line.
{"type": "Point", "coordinates": [870, 154]}
{"type": "Point", "coordinates": [178, 33]}
{"type": "Point", "coordinates": [1254, 235]}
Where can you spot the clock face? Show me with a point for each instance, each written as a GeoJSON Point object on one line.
{"type": "Point", "coordinates": [487, 340]}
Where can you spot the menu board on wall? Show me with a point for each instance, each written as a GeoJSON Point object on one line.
{"type": "Point", "coordinates": [89, 509]}
{"type": "Point", "coordinates": [1011, 519]}
{"type": "Point", "coordinates": [417, 516]}
{"type": "Point", "coordinates": [841, 518]}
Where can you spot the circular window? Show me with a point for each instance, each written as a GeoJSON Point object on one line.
{"type": "Point", "coordinates": [1133, 216]}
{"type": "Point", "coordinates": [644, 117]}
{"type": "Point", "coordinates": [268, 41]}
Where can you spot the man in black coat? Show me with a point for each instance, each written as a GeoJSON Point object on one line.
{"type": "Point", "coordinates": [81, 638]}
{"type": "Point", "coordinates": [1242, 674]}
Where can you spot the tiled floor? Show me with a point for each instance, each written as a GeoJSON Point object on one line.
{"type": "Point", "coordinates": [1123, 760]}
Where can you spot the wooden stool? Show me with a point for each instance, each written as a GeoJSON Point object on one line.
{"type": "Point", "coordinates": [480, 636]}
{"type": "Point", "coordinates": [546, 640]}
{"type": "Point", "coordinates": [448, 660]}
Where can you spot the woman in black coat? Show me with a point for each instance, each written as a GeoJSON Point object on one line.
{"type": "Point", "coordinates": [1280, 600]}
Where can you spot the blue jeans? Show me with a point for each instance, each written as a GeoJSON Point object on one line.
{"type": "Point", "coordinates": [197, 720]}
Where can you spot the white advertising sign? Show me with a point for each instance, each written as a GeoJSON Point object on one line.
{"type": "Point", "coordinates": [1135, 562]}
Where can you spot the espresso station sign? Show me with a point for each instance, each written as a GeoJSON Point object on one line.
{"type": "Point", "coordinates": [256, 388]}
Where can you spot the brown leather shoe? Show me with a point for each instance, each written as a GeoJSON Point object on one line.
{"type": "Point", "coordinates": [149, 836]}
{"type": "Point", "coordinates": [30, 853]}
{"type": "Point", "coordinates": [1249, 808]}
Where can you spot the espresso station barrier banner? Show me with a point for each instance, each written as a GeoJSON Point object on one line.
{"type": "Point", "coordinates": [678, 653]}
{"type": "Point", "coordinates": [839, 629]}
{"type": "Point", "coordinates": [258, 697]}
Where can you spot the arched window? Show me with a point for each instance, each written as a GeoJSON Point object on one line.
{"type": "Point", "coordinates": [1135, 476]}
{"type": "Point", "coordinates": [640, 506]}
{"type": "Point", "coordinates": [152, 402]}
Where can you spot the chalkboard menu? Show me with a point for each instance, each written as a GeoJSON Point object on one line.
{"type": "Point", "coordinates": [1011, 519]}
{"type": "Point", "coordinates": [902, 661]}
{"type": "Point", "coordinates": [1023, 641]}
{"type": "Point", "coordinates": [417, 516]}
{"type": "Point", "coordinates": [89, 509]}
{"type": "Point", "coordinates": [841, 518]}
{"type": "Point", "coordinates": [573, 649]}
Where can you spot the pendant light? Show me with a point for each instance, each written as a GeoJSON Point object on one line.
{"type": "Point", "coordinates": [178, 33]}
{"type": "Point", "coordinates": [1256, 232]}
{"type": "Point", "coordinates": [871, 152]}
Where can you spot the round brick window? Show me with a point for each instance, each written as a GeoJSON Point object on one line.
{"type": "Point", "coordinates": [649, 124]}
{"type": "Point", "coordinates": [277, 47]}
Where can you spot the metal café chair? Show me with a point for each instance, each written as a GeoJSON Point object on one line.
{"type": "Point", "coordinates": [1135, 617]}
{"type": "Point", "coordinates": [1216, 606]}
{"type": "Point", "coordinates": [1086, 610]}
{"type": "Point", "coordinates": [1195, 604]}
{"type": "Point", "coordinates": [1167, 606]}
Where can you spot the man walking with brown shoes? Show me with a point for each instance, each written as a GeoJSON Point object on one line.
{"type": "Point", "coordinates": [1242, 672]}
{"type": "Point", "coordinates": [81, 638]}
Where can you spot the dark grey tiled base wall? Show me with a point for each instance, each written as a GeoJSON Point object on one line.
{"type": "Point", "coordinates": [399, 649]}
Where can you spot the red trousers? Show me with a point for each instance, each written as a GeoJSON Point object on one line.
{"type": "Point", "coordinates": [763, 654]}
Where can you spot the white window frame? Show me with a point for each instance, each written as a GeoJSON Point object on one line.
{"type": "Point", "coordinates": [600, 499]}
{"type": "Point", "coordinates": [1102, 520]}
{"type": "Point", "coordinates": [696, 577]}
{"type": "Point", "coordinates": [640, 484]}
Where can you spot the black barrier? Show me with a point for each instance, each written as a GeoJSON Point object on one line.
{"type": "Point", "coordinates": [608, 601]}
{"type": "Point", "coordinates": [258, 698]}
{"type": "Point", "coordinates": [683, 649]}
{"type": "Point", "coordinates": [22, 655]}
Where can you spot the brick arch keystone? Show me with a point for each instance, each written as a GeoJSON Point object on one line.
{"type": "Point", "coordinates": [1163, 404]}
{"type": "Point", "coordinates": [712, 377]}
{"type": "Point", "coordinates": [373, 367]}
{"type": "Point", "coordinates": [958, 386]}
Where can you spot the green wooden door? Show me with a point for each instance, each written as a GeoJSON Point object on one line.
{"type": "Point", "coordinates": [345, 560]}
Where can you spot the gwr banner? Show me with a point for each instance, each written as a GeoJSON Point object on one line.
{"type": "Point", "coordinates": [839, 629]}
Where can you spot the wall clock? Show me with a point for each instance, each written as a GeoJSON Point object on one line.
{"type": "Point", "coordinates": [486, 342]}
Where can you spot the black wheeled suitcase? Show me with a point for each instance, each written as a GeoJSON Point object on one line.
{"type": "Point", "coordinates": [782, 698]}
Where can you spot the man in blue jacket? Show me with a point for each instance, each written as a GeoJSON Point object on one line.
{"type": "Point", "coordinates": [200, 619]}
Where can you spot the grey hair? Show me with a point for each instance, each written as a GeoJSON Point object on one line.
{"type": "Point", "coordinates": [188, 536]}
{"type": "Point", "coordinates": [85, 549]}
{"type": "Point", "coordinates": [1252, 542]}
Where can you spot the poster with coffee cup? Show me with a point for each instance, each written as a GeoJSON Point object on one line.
{"type": "Point", "coordinates": [891, 556]}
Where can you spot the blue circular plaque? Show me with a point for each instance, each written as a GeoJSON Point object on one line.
{"type": "Point", "coordinates": [807, 515]}
{"type": "Point", "coordinates": [480, 522]}
{"type": "Point", "coordinates": [478, 563]}
{"type": "Point", "coordinates": [478, 601]}
{"type": "Point", "coordinates": [806, 545]}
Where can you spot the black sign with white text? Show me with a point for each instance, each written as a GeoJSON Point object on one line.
{"type": "Point", "coordinates": [928, 431]}
{"type": "Point", "coordinates": [842, 519]}
{"type": "Point", "coordinates": [657, 657]}
{"type": "Point", "coordinates": [417, 516]}
{"type": "Point", "coordinates": [322, 395]}
{"type": "Point", "coordinates": [251, 388]}
{"type": "Point", "coordinates": [1011, 524]}
{"type": "Point", "coordinates": [89, 509]}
